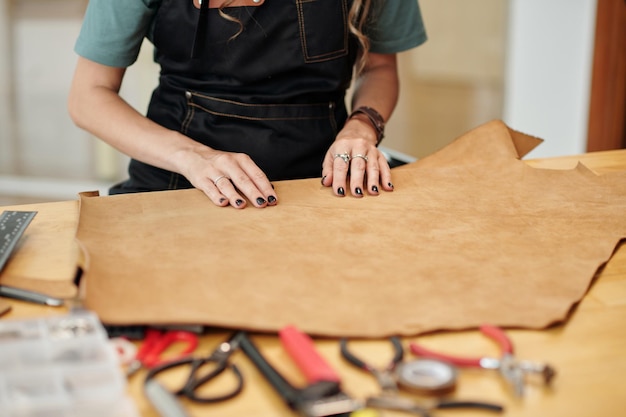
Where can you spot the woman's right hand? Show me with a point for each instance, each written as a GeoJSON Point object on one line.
{"type": "Point", "coordinates": [227, 178]}
{"type": "Point", "coordinates": [96, 106]}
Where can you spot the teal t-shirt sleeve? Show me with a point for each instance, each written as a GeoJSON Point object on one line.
{"type": "Point", "coordinates": [113, 30]}
{"type": "Point", "coordinates": [397, 27]}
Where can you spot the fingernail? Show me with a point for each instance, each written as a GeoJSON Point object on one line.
{"type": "Point", "coordinates": [271, 199]}
{"type": "Point", "coordinates": [272, 186]}
{"type": "Point", "coordinates": [341, 191]}
{"type": "Point", "coordinates": [260, 201]}
{"type": "Point", "coordinates": [390, 185]}
{"type": "Point", "coordinates": [323, 178]}
{"type": "Point", "coordinates": [222, 200]}
{"type": "Point", "coordinates": [374, 188]}
{"type": "Point", "coordinates": [358, 191]}
{"type": "Point", "coordinates": [239, 202]}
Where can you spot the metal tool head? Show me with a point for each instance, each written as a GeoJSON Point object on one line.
{"type": "Point", "coordinates": [324, 399]}
{"type": "Point", "coordinates": [543, 370]}
{"type": "Point", "coordinates": [513, 374]}
{"type": "Point", "coordinates": [386, 380]}
{"type": "Point", "coordinates": [225, 349]}
{"type": "Point", "coordinates": [335, 405]}
{"type": "Point", "coordinates": [396, 403]}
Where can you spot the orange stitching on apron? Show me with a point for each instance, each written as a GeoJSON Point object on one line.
{"type": "Point", "coordinates": [173, 184]}
{"type": "Point", "coordinates": [190, 113]}
{"type": "Point", "coordinates": [238, 103]}
{"type": "Point", "coordinates": [238, 116]}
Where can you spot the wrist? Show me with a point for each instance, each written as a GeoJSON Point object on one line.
{"type": "Point", "coordinates": [186, 155]}
{"type": "Point", "coordinates": [370, 115]}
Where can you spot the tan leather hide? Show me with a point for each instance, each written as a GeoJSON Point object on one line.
{"type": "Point", "coordinates": [470, 235]}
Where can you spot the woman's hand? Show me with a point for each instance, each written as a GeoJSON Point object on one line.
{"type": "Point", "coordinates": [354, 161]}
{"type": "Point", "coordinates": [226, 178]}
{"type": "Point", "coordinates": [95, 105]}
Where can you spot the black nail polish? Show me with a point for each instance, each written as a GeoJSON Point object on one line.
{"type": "Point", "coordinates": [239, 202]}
{"type": "Point", "coordinates": [271, 199]}
{"type": "Point", "coordinates": [341, 191]}
{"type": "Point", "coordinates": [272, 186]}
{"type": "Point", "coordinates": [374, 188]}
{"type": "Point", "coordinates": [260, 201]}
{"type": "Point", "coordinates": [222, 200]}
{"type": "Point", "coordinates": [390, 185]}
{"type": "Point", "coordinates": [358, 191]}
{"type": "Point", "coordinates": [323, 178]}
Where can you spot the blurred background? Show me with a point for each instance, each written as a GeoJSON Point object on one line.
{"type": "Point", "coordinates": [527, 62]}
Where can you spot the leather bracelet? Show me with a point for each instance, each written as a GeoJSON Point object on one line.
{"type": "Point", "coordinates": [375, 118]}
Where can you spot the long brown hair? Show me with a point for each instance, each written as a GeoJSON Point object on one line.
{"type": "Point", "coordinates": [359, 14]}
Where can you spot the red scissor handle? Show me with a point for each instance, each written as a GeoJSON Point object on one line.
{"type": "Point", "coordinates": [157, 342]}
{"type": "Point", "coordinates": [492, 332]}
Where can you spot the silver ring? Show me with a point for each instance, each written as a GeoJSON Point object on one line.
{"type": "Point", "coordinates": [344, 156]}
{"type": "Point", "coordinates": [364, 157]}
{"type": "Point", "coordinates": [221, 177]}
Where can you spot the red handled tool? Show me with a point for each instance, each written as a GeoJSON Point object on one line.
{"type": "Point", "coordinates": [152, 351]}
{"type": "Point", "coordinates": [317, 399]}
{"type": "Point", "coordinates": [512, 370]}
{"type": "Point", "coordinates": [301, 349]}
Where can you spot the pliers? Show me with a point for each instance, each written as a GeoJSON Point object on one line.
{"type": "Point", "coordinates": [390, 399]}
{"type": "Point", "coordinates": [385, 377]}
{"type": "Point", "coordinates": [512, 370]}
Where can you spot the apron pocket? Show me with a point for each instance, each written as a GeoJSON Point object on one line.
{"type": "Point", "coordinates": [323, 29]}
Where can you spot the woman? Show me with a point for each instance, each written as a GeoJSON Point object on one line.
{"type": "Point", "coordinates": [250, 91]}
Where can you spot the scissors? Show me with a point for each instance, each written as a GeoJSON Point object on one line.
{"type": "Point", "coordinates": [387, 378]}
{"type": "Point", "coordinates": [156, 342]}
{"type": "Point", "coordinates": [511, 369]}
{"type": "Point", "coordinates": [197, 379]}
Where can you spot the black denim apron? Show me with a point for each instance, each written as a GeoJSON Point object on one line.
{"type": "Point", "coordinates": [276, 91]}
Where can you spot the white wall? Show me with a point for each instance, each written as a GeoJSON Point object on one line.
{"type": "Point", "coordinates": [466, 41]}
{"type": "Point", "coordinates": [46, 141]}
{"type": "Point", "coordinates": [43, 154]}
{"type": "Point", "coordinates": [548, 72]}
{"type": "Point", "coordinates": [6, 125]}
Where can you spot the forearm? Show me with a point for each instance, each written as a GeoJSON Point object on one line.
{"type": "Point", "coordinates": [378, 85]}
{"type": "Point", "coordinates": [98, 108]}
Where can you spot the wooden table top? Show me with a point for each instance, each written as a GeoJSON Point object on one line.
{"type": "Point", "coordinates": [588, 350]}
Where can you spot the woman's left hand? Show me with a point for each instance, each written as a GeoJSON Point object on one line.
{"type": "Point", "coordinates": [353, 162]}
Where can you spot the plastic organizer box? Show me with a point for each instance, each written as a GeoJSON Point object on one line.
{"type": "Point", "coordinates": [60, 366]}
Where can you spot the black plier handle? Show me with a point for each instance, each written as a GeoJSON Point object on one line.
{"type": "Point", "coordinates": [385, 377]}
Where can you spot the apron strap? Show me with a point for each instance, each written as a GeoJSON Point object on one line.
{"type": "Point", "coordinates": [201, 29]}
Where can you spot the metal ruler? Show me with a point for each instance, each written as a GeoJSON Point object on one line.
{"type": "Point", "coordinates": [12, 226]}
